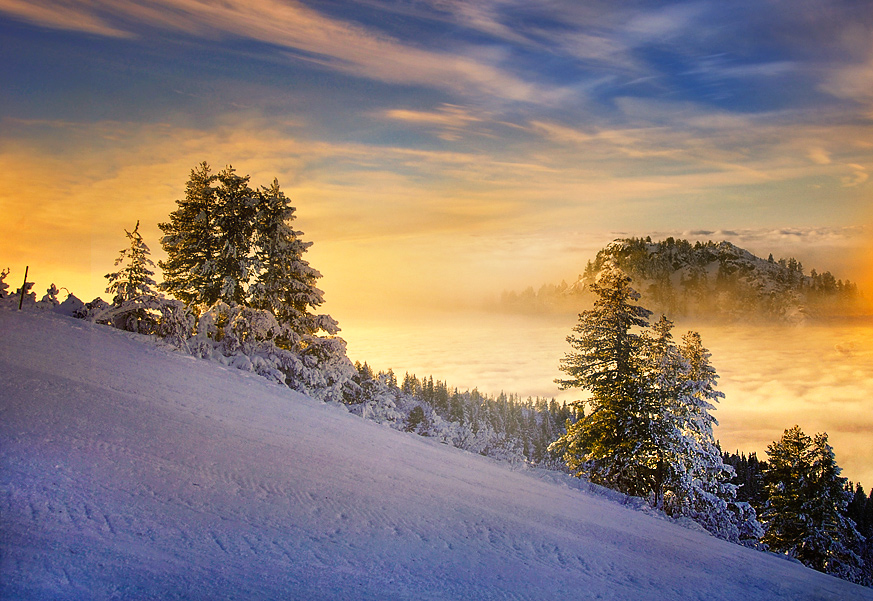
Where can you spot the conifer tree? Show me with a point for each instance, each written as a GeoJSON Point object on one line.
{"type": "Point", "coordinates": [135, 277]}
{"type": "Point", "coordinates": [665, 390]}
{"type": "Point", "coordinates": [784, 479]}
{"type": "Point", "coordinates": [208, 239]}
{"type": "Point", "coordinates": [605, 444]}
{"type": "Point", "coordinates": [697, 421]}
{"type": "Point", "coordinates": [648, 431]}
{"type": "Point", "coordinates": [191, 242]}
{"type": "Point", "coordinates": [286, 283]}
{"type": "Point", "coordinates": [234, 221]}
{"type": "Point", "coordinates": [807, 501]}
{"type": "Point", "coordinates": [711, 496]}
{"type": "Point", "coordinates": [834, 541]}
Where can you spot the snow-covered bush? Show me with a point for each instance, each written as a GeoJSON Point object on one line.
{"type": "Point", "coordinates": [375, 399]}
{"type": "Point", "coordinates": [50, 299]}
{"type": "Point", "coordinates": [92, 311]}
{"type": "Point", "coordinates": [145, 314]}
{"type": "Point", "coordinates": [323, 370]}
{"type": "Point", "coordinates": [247, 338]}
{"type": "Point", "coordinates": [28, 301]}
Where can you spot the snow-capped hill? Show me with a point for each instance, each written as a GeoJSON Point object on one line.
{"type": "Point", "coordinates": [712, 280]}
{"type": "Point", "coordinates": [132, 472]}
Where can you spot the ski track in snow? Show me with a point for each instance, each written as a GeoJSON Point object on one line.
{"type": "Point", "coordinates": [132, 472]}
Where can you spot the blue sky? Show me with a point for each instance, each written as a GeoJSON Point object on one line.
{"type": "Point", "coordinates": [445, 149]}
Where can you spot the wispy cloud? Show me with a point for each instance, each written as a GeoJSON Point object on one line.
{"type": "Point", "coordinates": [664, 23]}
{"type": "Point", "coordinates": [853, 81]}
{"type": "Point", "coordinates": [72, 16]}
{"type": "Point", "coordinates": [819, 156]}
{"type": "Point", "coordinates": [858, 176]}
{"type": "Point", "coordinates": [331, 42]}
{"type": "Point", "coordinates": [450, 121]}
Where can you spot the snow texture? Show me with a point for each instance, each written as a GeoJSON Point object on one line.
{"type": "Point", "coordinates": [132, 472]}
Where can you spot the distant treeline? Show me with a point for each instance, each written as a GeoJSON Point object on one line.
{"type": "Point", "coordinates": [708, 280]}
{"type": "Point", "coordinates": [504, 427]}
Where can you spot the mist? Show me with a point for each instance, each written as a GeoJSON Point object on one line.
{"type": "Point", "coordinates": [817, 376]}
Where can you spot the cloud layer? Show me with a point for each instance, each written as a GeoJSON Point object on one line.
{"type": "Point", "coordinates": [773, 378]}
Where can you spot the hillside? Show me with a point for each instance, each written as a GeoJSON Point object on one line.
{"type": "Point", "coordinates": [711, 280]}
{"type": "Point", "coordinates": [131, 472]}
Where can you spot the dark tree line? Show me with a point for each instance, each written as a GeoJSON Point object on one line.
{"type": "Point", "coordinates": [748, 476]}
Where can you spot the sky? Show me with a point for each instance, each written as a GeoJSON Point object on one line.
{"type": "Point", "coordinates": [440, 151]}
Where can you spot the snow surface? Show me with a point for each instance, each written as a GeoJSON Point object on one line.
{"type": "Point", "coordinates": [131, 472]}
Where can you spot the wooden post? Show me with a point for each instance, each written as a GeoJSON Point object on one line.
{"type": "Point", "coordinates": [23, 287]}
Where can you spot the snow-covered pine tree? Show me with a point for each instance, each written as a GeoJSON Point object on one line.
{"type": "Point", "coordinates": [604, 444]}
{"type": "Point", "coordinates": [286, 283]}
{"type": "Point", "coordinates": [221, 237]}
{"type": "Point", "coordinates": [834, 544]}
{"type": "Point", "coordinates": [136, 306]}
{"type": "Point", "coordinates": [663, 392]}
{"type": "Point", "coordinates": [134, 279]}
{"type": "Point", "coordinates": [234, 222]}
{"type": "Point", "coordinates": [804, 515]}
{"type": "Point", "coordinates": [783, 515]}
{"type": "Point", "coordinates": [191, 242]}
{"type": "Point", "coordinates": [711, 498]}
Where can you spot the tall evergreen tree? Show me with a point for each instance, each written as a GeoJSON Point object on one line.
{"type": "Point", "coordinates": [286, 283]}
{"type": "Point", "coordinates": [208, 239]}
{"type": "Point", "coordinates": [711, 496]}
{"type": "Point", "coordinates": [648, 431]}
{"type": "Point", "coordinates": [605, 444]}
{"type": "Point", "coordinates": [834, 542]}
{"type": "Point", "coordinates": [784, 480]}
{"type": "Point", "coordinates": [191, 242]}
{"type": "Point", "coordinates": [664, 388]}
{"type": "Point", "coordinates": [805, 511]}
{"type": "Point", "coordinates": [697, 421]}
{"type": "Point", "coordinates": [234, 222]}
{"type": "Point", "coordinates": [134, 279]}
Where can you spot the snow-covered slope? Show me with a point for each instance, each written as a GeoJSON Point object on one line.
{"type": "Point", "coordinates": [130, 472]}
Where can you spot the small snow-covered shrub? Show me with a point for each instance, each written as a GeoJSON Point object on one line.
{"type": "Point", "coordinates": [93, 311]}
{"type": "Point", "coordinates": [145, 314]}
{"type": "Point", "coordinates": [28, 301]}
{"type": "Point", "coordinates": [50, 300]}
{"type": "Point", "coordinates": [323, 369]}
{"type": "Point", "coordinates": [252, 339]}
